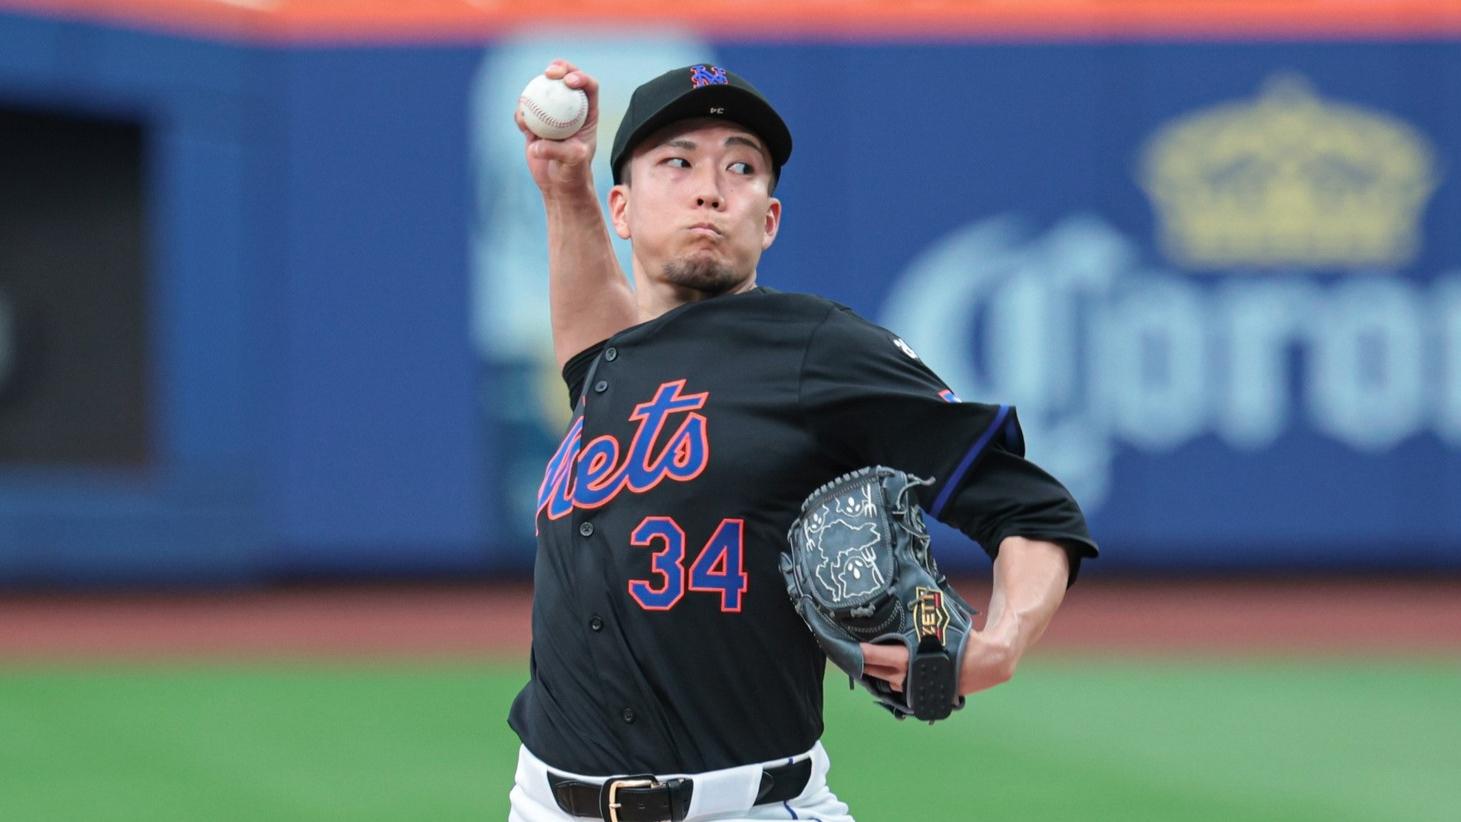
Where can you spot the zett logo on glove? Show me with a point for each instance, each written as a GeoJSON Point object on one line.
{"type": "Point", "coordinates": [929, 613]}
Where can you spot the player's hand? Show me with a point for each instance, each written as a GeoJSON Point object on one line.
{"type": "Point", "coordinates": [563, 166]}
{"type": "Point", "coordinates": [886, 662]}
{"type": "Point", "coordinates": [987, 662]}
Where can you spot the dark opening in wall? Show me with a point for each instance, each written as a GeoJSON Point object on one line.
{"type": "Point", "coordinates": [75, 384]}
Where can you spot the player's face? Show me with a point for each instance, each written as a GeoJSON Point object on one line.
{"type": "Point", "coordinates": [698, 206]}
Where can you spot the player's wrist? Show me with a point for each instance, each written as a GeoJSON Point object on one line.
{"type": "Point", "coordinates": [572, 199]}
{"type": "Point", "coordinates": [989, 659]}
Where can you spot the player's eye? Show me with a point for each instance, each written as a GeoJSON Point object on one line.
{"type": "Point", "coordinates": [677, 162]}
{"type": "Point", "coordinates": [742, 168]}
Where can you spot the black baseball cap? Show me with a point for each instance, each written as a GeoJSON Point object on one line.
{"type": "Point", "coordinates": [701, 90]}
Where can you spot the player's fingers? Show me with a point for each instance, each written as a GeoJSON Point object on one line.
{"type": "Point", "coordinates": [580, 79]}
{"type": "Point", "coordinates": [561, 69]}
{"type": "Point", "coordinates": [522, 125]}
{"type": "Point", "coordinates": [886, 662]}
{"type": "Point", "coordinates": [893, 676]}
{"type": "Point", "coordinates": [885, 656]}
{"type": "Point", "coordinates": [563, 151]}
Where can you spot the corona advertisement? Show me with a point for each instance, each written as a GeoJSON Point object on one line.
{"type": "Point", "coordinates": [1228, 312]}
{"type": "Point", "coordinates": [1208, 252]}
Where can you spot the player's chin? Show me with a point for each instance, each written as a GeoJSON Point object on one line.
{"type": "Point", "coordinates": [703, 271]}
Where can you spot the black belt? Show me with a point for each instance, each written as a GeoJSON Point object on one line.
{"type": "Point", "coordinates": [646, 799]}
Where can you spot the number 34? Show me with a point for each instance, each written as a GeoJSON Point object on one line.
{"type": "Point", "coordinates": [717, 569]}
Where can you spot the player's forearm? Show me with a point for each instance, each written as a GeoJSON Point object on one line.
{"type": "Point", "coordinates": [588, 296]}
{"type": "Point", "coordinates": [1029, 584]}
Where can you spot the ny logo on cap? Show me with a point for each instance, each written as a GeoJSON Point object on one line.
{"type": "Point", "coordinates": [706, 75]}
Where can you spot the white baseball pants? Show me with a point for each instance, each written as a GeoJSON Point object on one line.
{"type": "Point", "coordinates": [719, 796]}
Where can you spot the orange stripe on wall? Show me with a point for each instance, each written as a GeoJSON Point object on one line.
{"type": "Point", "coordinates": [456, 20]}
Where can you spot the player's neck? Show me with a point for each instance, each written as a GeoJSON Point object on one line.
{"type": "Point", "coordinates": [656, 298]}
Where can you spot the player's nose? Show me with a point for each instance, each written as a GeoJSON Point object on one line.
{"type": "Point", "coordinates": [707, 188]}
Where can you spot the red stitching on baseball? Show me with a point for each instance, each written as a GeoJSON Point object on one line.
{"type": "Point", "coordinates": [544, 116]}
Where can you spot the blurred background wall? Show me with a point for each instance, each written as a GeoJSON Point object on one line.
{"type": "Point", "coordinates": [272, 276]}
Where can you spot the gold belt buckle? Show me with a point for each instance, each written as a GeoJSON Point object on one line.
{"type": "Point", "coordinates": [616, 784]}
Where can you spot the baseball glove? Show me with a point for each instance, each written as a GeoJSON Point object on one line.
{"type": "Point", "coordinates": [859, 570]}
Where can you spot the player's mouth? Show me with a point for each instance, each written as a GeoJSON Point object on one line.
{"type": "Point", "coordinates": [704, 230]}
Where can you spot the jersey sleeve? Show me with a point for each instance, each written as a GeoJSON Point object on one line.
{"type": "Point", "coordinates": [872, 401]}
{"type": "Point", "coordinates": [575, 371]}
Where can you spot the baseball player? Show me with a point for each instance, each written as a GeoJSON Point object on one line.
{"type": "Point", "coordinates": [670, 676]}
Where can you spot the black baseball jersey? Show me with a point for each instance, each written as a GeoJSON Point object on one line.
{"type": "Point", "coordinates": [663, 637]}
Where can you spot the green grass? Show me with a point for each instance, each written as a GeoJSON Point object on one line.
{"type": "Point", "coordinates": [1067, 740]}
{"type": "Point", "coordinates": [1196, 741]}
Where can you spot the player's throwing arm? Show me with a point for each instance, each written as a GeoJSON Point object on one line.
{"type": "Point", "coordinates": [588, 295]}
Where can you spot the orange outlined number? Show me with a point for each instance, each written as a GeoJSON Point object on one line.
{"type": "Point", "coordinates": [717, 568]}
{"type": "Point", "coordinates": [668, 563]}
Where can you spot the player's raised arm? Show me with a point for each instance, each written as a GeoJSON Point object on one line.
{"type": "Point", "coordinates": [588, 295]}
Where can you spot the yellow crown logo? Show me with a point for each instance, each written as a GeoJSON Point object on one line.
{"type": "Point", "coordinates": [1289, 179]}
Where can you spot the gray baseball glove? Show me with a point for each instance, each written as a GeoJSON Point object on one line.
{"type": "Point", "coordinates": [859, 570]}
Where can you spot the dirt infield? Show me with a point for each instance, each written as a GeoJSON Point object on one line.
{"type": "Point", "coordinates": [1167, 617]}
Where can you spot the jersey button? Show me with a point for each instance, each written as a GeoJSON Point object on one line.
{"type": "Point", "coordinates": [611, 354]}
{"type": "Point", "coordinates": [600, 387]}
{"type": "Point", "coordinates": [596, 624]}
{"type": "Point", "coordinates": [586, 529]}
{"type": "Point", "coordinates": [628, 715]}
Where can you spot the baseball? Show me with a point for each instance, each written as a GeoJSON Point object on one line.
{"type": "Point", "coordinates": [551, 109]}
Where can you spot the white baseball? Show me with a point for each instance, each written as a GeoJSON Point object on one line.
{"type": "Point", "coordinates": [551, 109]}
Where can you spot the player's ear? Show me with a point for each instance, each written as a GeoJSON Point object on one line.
{"type": "Point", "coordinates": [772, 224]}
{"type": "Point", "coordinates": [619, 209]}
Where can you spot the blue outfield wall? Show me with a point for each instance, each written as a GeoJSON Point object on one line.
{"type": "Point", "coordinates": [1221, 281]}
